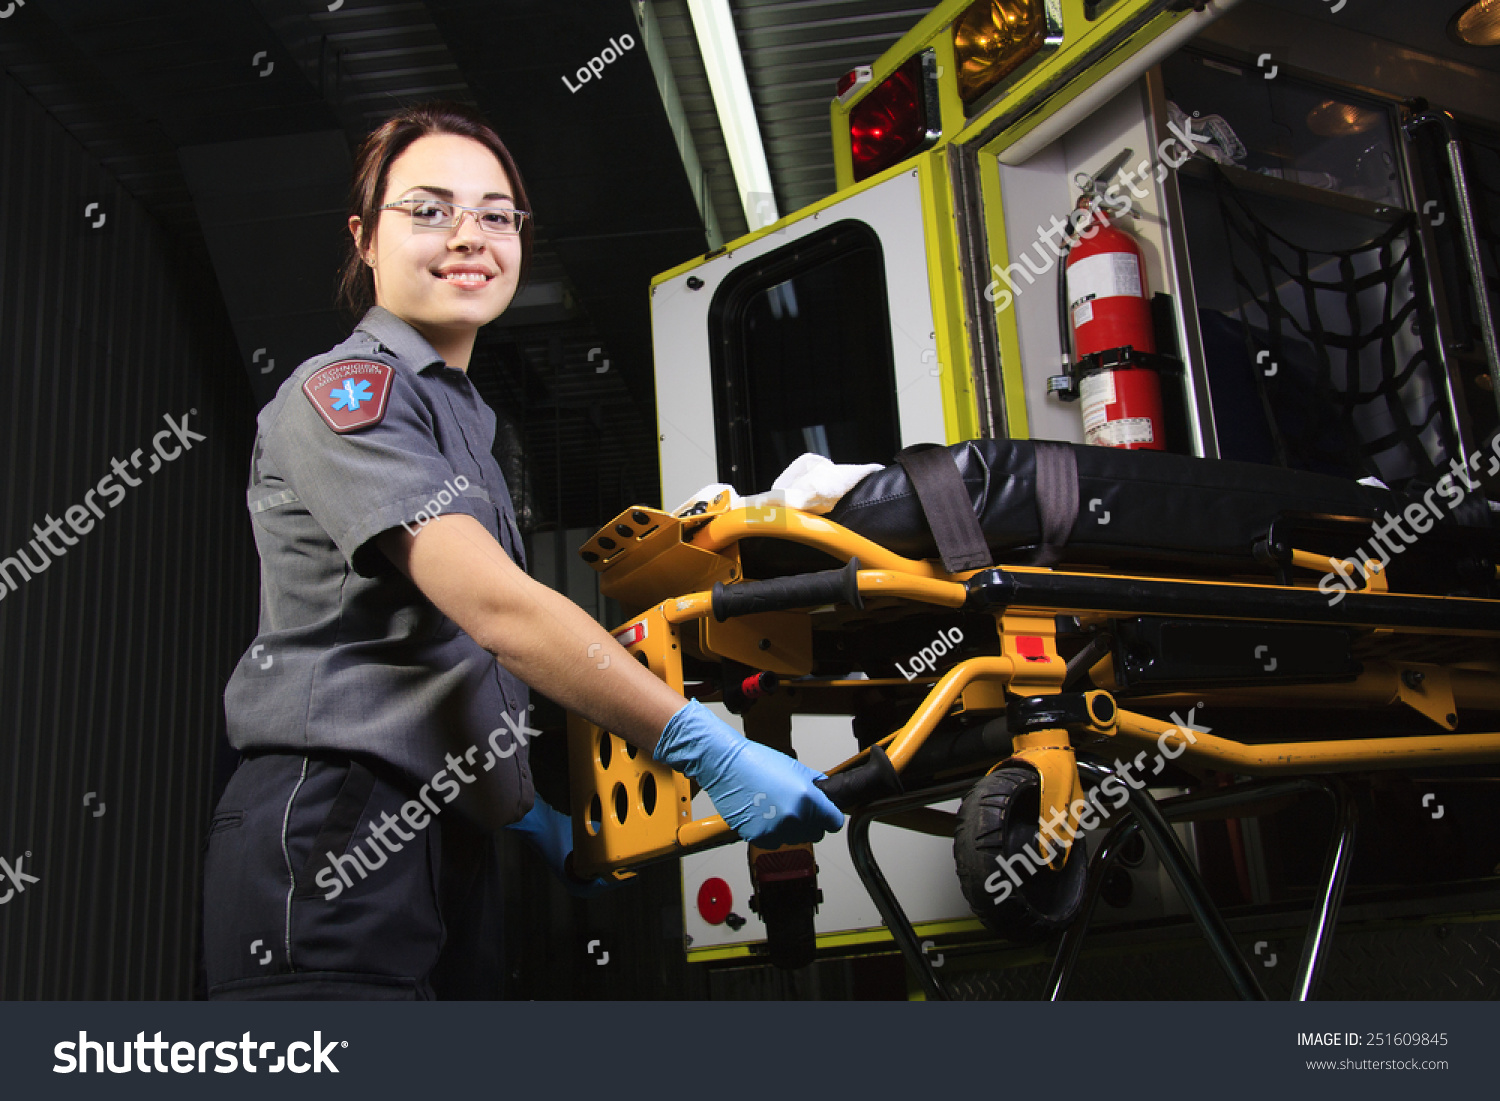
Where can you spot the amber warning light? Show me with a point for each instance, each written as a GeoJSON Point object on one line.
{"type": "Point", "coordinates": [994, 38]}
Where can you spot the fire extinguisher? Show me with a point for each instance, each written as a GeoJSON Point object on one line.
{"type": "Point", "coordinates": [1108, 311]}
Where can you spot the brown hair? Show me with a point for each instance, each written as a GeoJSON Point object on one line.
{"type": "Point", "coordinates": [372, 164]}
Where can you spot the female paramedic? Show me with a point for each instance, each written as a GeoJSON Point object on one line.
{"type": "Point", "coordinates": [382, 707]}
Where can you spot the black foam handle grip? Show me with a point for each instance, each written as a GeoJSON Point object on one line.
{"type": "Point", "coordinates": [875, 779]}
{"type": "Point", "coordinates": [782, 593]}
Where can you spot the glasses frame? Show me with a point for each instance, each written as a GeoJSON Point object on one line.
{"type": "Point", "coordinates": [458, 214]}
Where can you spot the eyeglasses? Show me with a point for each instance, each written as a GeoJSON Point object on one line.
{"type": "Point", "coordinates": [441, 214]}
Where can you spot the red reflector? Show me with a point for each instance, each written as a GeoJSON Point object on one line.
{"type": "Point", "coordinates": [1030, 646]}
{"type": "Point", "coordinates": [714, 901]}
{"type": "Point", "coordinates": [891, 122]}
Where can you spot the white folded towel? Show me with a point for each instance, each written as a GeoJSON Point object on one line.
{"type": "Point", "coordinates": [812, 483]}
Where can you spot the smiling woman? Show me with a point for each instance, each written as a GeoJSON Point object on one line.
{"type": "Point", "coordinates": [415, 168]}
{"type": "Point", "coordinates": [400, 634]}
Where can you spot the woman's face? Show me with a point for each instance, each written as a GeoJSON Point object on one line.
{"type": "Point", "coordinates": [414, 266]}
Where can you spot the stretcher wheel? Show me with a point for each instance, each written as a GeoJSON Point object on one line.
{"type": "Point", "coordinates": [998, 819]}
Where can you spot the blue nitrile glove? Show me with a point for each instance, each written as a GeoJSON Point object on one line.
{"type": "Point", "coordinates": [765, 796]}
{"type": "Point", "coordinates": [551, 831]}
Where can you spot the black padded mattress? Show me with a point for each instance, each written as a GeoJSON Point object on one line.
{"type": "Point", "coordinates": [1141, 508]}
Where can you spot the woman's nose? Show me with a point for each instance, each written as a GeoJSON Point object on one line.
{"type": "Point", "coordinates": [473, 231]}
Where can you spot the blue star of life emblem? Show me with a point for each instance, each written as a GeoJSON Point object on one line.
{"type": "Point", "coordinates": [351, 395]}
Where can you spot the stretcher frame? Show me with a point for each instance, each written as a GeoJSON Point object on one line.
{"type": "Point", "coordinates": [668, 572]}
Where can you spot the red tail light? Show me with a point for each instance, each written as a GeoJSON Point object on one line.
{"type": "Point", "coordinates": [895, 119]}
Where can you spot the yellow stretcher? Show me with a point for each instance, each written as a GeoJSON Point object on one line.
{"type": "Point", "coordinates": [1037, 678]}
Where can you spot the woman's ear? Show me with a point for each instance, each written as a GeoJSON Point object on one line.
{"type": "Point", "coordinates": [354, 227]}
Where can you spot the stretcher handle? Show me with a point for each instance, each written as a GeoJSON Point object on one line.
{"type": "Point", "coordinates": [783, 593]}
{"type": "Point", "coordinates": [875, 779]}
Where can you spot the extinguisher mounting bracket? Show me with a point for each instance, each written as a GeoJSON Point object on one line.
{"type": "Point", "coordinates": [1116, 359]}
{"type": "Point", "coordinates": [1065, 386]}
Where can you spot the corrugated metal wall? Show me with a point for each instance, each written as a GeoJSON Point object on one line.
{"type": "Point", "coordinates": [112, 657]}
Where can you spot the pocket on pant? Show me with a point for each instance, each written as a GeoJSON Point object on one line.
{"type": "Point", "coordinates": [229, 820]}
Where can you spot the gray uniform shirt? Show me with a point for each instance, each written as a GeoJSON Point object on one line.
{"type": "Point", "coordinates": [350, 656]}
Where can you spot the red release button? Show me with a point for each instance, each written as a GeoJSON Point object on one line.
{"type": "Point", "coordinates": [715, 900]}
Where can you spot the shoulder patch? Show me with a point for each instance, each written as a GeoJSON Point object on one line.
{"type": "Point", "coordinates": [351, 394]}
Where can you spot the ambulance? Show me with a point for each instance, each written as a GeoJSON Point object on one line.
{"type": "Point", "coordinates": [1207, 228]}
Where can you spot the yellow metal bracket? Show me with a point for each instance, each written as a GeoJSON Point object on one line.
{"type": "Point", "coordinates": [1428, 690]}
{"type": "Point", "coordinates": [1051, 754]}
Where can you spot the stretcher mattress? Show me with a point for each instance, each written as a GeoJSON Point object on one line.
{"type": "Point", "coordinates": [1150, 507]}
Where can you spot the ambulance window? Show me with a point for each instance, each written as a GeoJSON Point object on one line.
{"type": "Point", "coordinates": [802, 359]}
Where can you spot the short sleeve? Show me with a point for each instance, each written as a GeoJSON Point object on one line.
{"type": "Point", "coordinates": [360, 482]}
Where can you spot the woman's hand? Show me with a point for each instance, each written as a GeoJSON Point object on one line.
{"type": "Point", "coordinates": [766, 796]}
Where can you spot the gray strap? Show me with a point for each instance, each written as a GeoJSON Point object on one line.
{"type": "Point", "coordinates": [946, 504]}
{"type": "Point", "coordinates": [285, 497]}
{"type": "Point", "coordinates": [1056, 497]}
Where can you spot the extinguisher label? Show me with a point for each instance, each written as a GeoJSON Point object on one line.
{"type": "Point", "coordinates": [1107, 275]}
{"type": "Point", "coordinates": [1083, 313]}
{"type": "Point", "coordinates": [1121, 433]}
{"type": "Point", "coordinates": [1096, 394]}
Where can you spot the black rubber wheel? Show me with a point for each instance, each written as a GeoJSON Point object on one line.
{"type": "Point", "coordinates": [998, 818]}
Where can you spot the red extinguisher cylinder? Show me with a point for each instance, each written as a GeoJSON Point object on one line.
{"type": "Point", "coordinates": [1111, 308]}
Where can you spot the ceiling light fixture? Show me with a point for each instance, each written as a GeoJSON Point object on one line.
{"type": "Point", "coordinates": [720, 47]}
{"type": "Point", "coordinates": [1477, 24]}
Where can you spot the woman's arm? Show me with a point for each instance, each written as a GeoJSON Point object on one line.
{"type": "Point", "coordinates": [538, 634]}
{"type": "Point", "coordinates": [554, 646]}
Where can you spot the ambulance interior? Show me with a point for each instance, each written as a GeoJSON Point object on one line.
{"type": "Point", "coordinates": [1310, 257]}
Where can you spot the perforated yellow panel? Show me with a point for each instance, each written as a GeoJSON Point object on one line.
{"type": "Point", "coordinates": [627, 807]}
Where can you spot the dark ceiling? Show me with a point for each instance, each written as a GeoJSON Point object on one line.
{"type": "Point", "coordinates": [233, 123]}
{"type": "Point", "coordinates": [1419, 25]}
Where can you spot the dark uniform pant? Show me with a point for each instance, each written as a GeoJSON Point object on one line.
{"type": "Point", "coordinates": [416, 918]}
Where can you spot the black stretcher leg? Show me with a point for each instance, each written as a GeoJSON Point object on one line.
{"type": "Point", "coordinates": [1336, 866]}
{"type": "Point", "coordinates": [1146, 813]}
{"type": "Point", "coordinates": [1073, 936]}
{"type": "Point", "coordinates": [880, 891]}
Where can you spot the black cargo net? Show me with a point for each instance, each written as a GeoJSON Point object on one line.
{"type": "Point", "coordinates": [1343, 346]}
